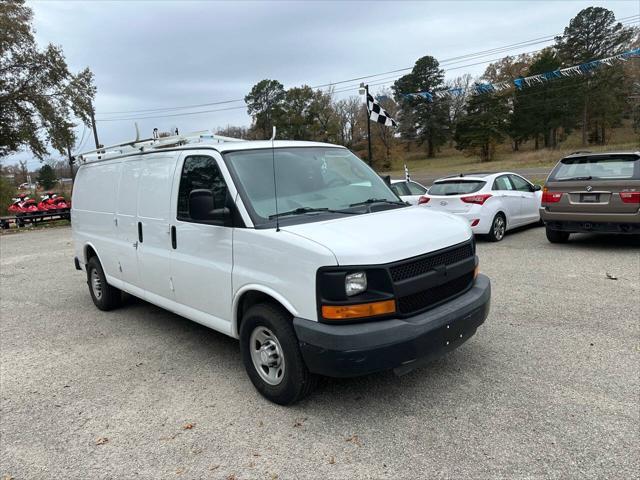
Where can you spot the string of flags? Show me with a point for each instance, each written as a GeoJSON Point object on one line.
{"type": "Point", "coordinates": [522, 82]}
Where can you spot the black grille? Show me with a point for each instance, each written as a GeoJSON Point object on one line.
{"type": "Point", "coordinates": [422, 300]}
{"type": "Point", "coordinates": [422, 265]}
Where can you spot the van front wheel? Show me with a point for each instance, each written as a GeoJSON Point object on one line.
{"type": "Point", "coordinates": [104, 296]}
{"type": "Point", "coordinates": [272, 357]}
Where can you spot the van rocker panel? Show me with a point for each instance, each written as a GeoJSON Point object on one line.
{"type": "Point", "coordinates": [362, 348]}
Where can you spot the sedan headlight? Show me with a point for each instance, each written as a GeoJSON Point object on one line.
{"type": "Point", "coordinates": [355, 283]}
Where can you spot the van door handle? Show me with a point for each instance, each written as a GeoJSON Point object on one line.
{"type": "Point", "coordinates": [174, 242]}
{"type": "Point", "coordinates": [140, 232]}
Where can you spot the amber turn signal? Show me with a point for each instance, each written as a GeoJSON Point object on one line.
{"type": "Point", "coordinates": [360, 310]}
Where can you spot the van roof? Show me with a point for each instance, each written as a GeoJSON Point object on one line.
{"type": "Point", "coordinates": [256, 144]}
{"type": "Point", "coordinates": [145, 147]}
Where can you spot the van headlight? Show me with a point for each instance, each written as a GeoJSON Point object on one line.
{"type": "Point", "coordinates": [355, 283]}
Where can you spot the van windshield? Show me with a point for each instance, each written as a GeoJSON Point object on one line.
{"type": "Point", "coordinates": [309, 181]}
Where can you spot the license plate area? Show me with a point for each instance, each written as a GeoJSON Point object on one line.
{"type": "Point", "coordinates": [589, 197]}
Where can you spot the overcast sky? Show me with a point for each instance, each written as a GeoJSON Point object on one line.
{"type": "Point", "coordinates": [148, 55]}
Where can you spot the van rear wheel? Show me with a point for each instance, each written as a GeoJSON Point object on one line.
{"type": "Point", "coordinates": [272, 357]}
{"type": "Point", "coordinates": [104, 296]}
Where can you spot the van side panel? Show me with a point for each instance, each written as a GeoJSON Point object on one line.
{"type": "Point", "coordinates": [154, 206]}
{"type": "Point", "coordinates": [93, 212]}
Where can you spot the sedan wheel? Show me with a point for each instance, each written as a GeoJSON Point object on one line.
{"type": "Point", "coordinates": [498, 228]}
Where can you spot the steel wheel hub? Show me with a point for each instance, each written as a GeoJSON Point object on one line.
{"type": "Point", "coordinates": [267, 355]}
{"type": "Point", "coordinates": [96, 284]}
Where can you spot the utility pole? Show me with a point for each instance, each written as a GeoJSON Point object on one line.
{"type": "Point", "coordinates": [93, 125]}
{"type": "Point", "coordinates": [364, 89]}
{"type": "Point", "coordinates": [73, 175]}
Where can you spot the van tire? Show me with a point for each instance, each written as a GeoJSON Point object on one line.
{"type": "Point", "coordinates": [297, 382]}
{"type": "Point", "coordinates": [557, 236]}
{"type": "Point", "coordinates": [104, 296]}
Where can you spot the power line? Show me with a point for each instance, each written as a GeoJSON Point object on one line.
{"type": "Point", "coordinates": [452, 60]}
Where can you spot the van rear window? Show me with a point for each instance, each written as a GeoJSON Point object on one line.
{"type": "Point", "coordinates": [601, 167]}
{"type": "Point", "coordinates": [456, 187]}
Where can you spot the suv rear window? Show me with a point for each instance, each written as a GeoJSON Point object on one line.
{"type": "Point", "coordinates": [601, 167]}
{"type": "Point", "coordinates": [456, 187]}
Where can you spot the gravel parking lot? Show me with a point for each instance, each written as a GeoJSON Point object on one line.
{"type": "Point", "coordinates": [548, 387]}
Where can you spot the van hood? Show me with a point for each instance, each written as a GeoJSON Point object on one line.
{"type": "Point", "coordinates": [386, 236]}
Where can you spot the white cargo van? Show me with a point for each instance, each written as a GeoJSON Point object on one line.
{"type": "Point", "coordinates": [316, 266]}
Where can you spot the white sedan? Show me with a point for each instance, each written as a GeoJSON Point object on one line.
{"type": "Point", "coordinates": [491, 202]}
{"type": "Point", "coordinates": [408, 190]}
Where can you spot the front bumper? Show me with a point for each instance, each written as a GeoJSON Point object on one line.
{"type": "Point", "coordinates": [401, 344]}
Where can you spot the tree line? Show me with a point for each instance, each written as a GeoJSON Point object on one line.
{"type": "Point", "coordinates": [544, 114]}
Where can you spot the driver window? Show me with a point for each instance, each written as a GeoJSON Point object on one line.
{"type": "Point", "coordinates": [200, 172]}
{"type": "Point", "coordinates": [520, 184]}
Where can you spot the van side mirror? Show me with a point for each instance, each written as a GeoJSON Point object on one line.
{"type": "Point", "coordinates": [536, 188]}
{"type": "Point", "coordinates": [202, 208]}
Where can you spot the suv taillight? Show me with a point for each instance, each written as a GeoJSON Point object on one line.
{"type": "Point", "coordinates": [478, 199]}
{"type": "Point", "coordinates": [422, 200]}
{"type": "Point", "coordinates": [630, 197]}
{"type": "Point", "coordinates": [550, 197]}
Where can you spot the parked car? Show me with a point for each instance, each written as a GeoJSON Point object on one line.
{"type": "Point", "coordinates": [332, 276]}
{"type": "Point", "coordinates": [408, 190]}
{"type": "Point", "coordinates": [592, 192]}
{"type": "Point", "coordinates": [491, 203]}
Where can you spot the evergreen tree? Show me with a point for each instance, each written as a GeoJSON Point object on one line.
{"type": "Point", "coordinates": [265, 105]}
{"type": "Point", "coordinates": [421, 119]}
{"type": "Point", "coordinates": [592, 34]}
{"type": "Point", "coordinates": [47, 177]}
{"type": "Point", "coordinates": [484, 125]}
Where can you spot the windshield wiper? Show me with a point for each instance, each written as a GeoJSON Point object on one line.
{"type": "Point", "coordinates": [303, 210]}
{"type": "Point", "coordinates": [377, 200]}
{"type": "Point", "coordinates": [575, 178]}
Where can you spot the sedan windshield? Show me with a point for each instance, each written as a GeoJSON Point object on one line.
{"type": "Point", "coordinates": [310, 181]}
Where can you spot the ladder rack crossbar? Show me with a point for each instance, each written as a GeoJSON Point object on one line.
{"type": "Point", "coordinates": [147, 144]}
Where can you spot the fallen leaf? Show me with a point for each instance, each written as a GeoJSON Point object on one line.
{"type": "Point", "coordinates": [256, 454]}
{"type": "Point", "coordinates": [180, 471]}
{"type": "Point", "coordinates": [354, 439]}
{"type": "Point", "coordinates": [188, 426]}
{"type": "Point", "coordinates": [101, 440]}
{"type": "Point", "coordinates": [232, 477]}
{"type": "Point", "coordinates": [214, 467]}
{"type": "Point", "coordinates": [332, 460]}
{"type": "Point", "coordinates": [8, 477]}
{"type": "Point", "coordinates": [611, 276]}
{"type": "Point", "coordinates": [299, 422]}
{"type": "Point", "coordinates": [274, 476]}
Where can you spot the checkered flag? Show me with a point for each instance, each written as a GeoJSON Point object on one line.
{"type": "Point", "coordinates": [379, 114]}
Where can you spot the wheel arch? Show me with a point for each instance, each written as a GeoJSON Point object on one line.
{"type": "Point", "coordinates": [250, 295]}
{"type": "Point", "coordinates": [89, 250]}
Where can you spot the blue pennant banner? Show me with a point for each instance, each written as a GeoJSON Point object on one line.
{"type": "Point", "coordinates": [522, 82]}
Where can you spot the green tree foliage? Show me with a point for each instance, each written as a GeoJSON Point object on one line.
{"type": "Point", "coordinates": [298, 104]}
{"type": "Point", "coordinates": [594, 33]}
{"type": "Point", "coordinates": [47, 177]}
{"type": "Point", "coordinates": [39, 96]}
{"type": "Point", "coordinates": [546, 111]}
{"type": "Point", "coordinates": [484, 125]}
{"type": "Point", "coordinates": [420, 119]}
{"type": "Point", "coordinates": [265, 103]}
